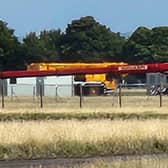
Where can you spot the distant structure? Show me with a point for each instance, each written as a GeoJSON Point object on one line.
{"type": "Point", "coordinates": [155, 80]}
{"type": "Point", "coordinates": [51, 86]}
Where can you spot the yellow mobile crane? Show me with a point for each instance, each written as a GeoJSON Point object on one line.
{"type": "Point", "coordinates": [93, 84]}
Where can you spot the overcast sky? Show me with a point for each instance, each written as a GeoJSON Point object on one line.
{"type": "Point", "coordinates": [120, 15]}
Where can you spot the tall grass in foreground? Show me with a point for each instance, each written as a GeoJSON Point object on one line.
{"type": "Point", "coordinates": [82, 138]}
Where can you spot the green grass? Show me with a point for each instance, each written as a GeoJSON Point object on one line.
{"type": "Point", "coordinates": [81, 116]}
{"type": "Point", "coordinates": [32, 150]}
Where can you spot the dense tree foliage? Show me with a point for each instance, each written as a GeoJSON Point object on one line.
{"type": "Point", "coordinates": [42, 48]}
{"type": "Point", "coordinates": [88, 41]}
{"type": "Point", "coordinates": [10, 49]}
{"type": "Point", "coordinates": [147, 46]}
{"type": "Point", "coordinates": [49, 42]}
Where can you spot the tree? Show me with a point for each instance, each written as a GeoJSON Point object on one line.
{"type": "Point", "coordinates": [42, 48]}
{"type": "Point", "coordinates": [9, 48]}
{"type": "Point", "coordinates": [49, 43]}
{"type": "Point", "coordinates": [86, 40]}
{"type": "Point", "coordinates": [32, 48]}
{"type": "Point", "coordinates": [160, 44]}
{"type": "Point", "coordinates": [137, 49]}
{"type": "Point", "coordinates": [147, 46]}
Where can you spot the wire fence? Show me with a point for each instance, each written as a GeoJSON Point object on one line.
{"type": "Point", "coordinates": [62, 96]}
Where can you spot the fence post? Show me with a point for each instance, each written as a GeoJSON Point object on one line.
{"type": "Point", "coordinates": [34, 93]}
{"type": "Point", "coordinates": [160, 95]}
{"type": "Point", "coordinates": [11, 93]}
{"type": "Point", "coordinates": [41, 95]}
{"type": "Point", "coordinates": [81, 95]}
{"type": "Point", "coordinates": [120, 100]}
{"type": "Point", "coordinates": [2, 93]}
{"type": "Point", "coordinates": [56, 92]}
{"type": "Point", "coordinates": [72, 85]}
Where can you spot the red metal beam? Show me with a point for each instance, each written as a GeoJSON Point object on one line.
{"type": "Point", "coordinates": [67, 71]}
{"type": "Point", "coordinates": [114, 69]}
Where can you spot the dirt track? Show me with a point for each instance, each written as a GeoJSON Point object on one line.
{"type": "Point", "coordinates": [45, 163]}
{"type": "Point", "coordinates": [70, 162]}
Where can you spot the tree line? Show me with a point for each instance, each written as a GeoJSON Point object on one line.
{"type": "Point", "coordinates": [84, 40]}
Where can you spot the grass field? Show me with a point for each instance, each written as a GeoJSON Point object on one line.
{"type": "Point", "coordinates": [82, 138]}
{"type": "Point", "coordinates": [61, 128]}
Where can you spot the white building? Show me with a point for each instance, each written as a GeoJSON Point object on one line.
{"type": "Point", "coordinates": [53, 85]}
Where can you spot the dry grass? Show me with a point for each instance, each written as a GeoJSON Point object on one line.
{"type": "Point", "coordinates": [34, 139]}
{"type": "Point", "coordinates": [83, 131]}
{"type": "Point", "coordinates": [82, 138]}
{"type": "Point", "coordinates": [130, 104]}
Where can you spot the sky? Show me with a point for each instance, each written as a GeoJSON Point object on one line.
{"type": "Point", "coordinates": [25, 16]}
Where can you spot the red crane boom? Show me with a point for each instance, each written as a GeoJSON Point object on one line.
{"type": "Point", "coordinates": [114, 69]}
